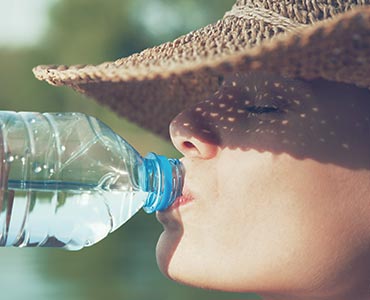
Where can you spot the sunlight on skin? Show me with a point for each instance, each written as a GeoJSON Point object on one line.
{"type": "Point", "coordinates": [277, 178]}
{"type": "Point", "coordinates": [306, 120]}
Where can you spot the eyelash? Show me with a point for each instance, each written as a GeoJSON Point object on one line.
{"type": "Point", "coordinates": [275, 106]}
{"type": "Point", "coordinates": [262, 109]}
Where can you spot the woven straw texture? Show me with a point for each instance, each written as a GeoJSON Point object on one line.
{"type": "Point", "coordinates": [302, 39]}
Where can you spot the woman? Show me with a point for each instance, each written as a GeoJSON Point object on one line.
{"type": "Point", "coordinates": [276, 192]}
{"type": "Point", "coordinates": [274, 130]}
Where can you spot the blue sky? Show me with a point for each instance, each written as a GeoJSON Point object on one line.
{"type": "Point", "coordinates": [22, 22]}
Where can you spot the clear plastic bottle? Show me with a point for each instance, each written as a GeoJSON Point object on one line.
{"type": "Point", "coordinates": [67, 180]}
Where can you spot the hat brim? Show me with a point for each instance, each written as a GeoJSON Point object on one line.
{"type": "Point", "coordinates": [151, 94]}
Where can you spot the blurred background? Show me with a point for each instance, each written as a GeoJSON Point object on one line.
{"type": "Point", "coordinates": [34, 32]}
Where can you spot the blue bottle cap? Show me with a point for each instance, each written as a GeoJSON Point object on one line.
{"type": "Point", "coordinates": [166, 183]}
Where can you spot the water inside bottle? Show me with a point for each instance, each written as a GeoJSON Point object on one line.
{"type": "Point", "coordinates": [63, 214]}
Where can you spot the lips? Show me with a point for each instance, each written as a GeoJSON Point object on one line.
{"type": "Point", "coordinates": [184, 199]}
{"type": "Point", "coordinates": [171, 217]}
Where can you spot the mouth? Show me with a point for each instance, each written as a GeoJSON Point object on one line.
{"type": "Point", "coordinates": [171, 217]}
{"type": "Point", "coordinates": [184, 199]}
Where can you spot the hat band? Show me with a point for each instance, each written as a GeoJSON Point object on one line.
{"type": "Point", "coordinates": [259, 13]}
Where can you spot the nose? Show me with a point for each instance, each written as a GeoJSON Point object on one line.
{"type": "Point", "coordinates": [188, 138]}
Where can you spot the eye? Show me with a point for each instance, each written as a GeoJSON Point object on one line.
{"type": "Point", "coordinates": [261, 109]}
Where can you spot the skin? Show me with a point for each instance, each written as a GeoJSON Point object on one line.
{"type": "Point", "coordinates": [277, 191]}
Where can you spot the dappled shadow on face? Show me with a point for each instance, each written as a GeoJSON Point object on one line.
{"type": "Point", "coordinates": [321, 120]}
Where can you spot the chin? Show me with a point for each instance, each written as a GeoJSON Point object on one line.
{"type": "Point", "coordinates": [173, 263]}
{"type": "Point", "coordinates": [168, 243]}
{"type": "Point", "coordinates": [184, 267]}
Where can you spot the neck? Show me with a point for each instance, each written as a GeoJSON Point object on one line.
{"type": "Point", "coordinates": [353, 290]}
{"type": "Point", "coordinates": [354, 296]}
{"type": "Point", "coordinates": [350, 282]}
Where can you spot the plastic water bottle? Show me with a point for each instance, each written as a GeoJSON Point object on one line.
{"type": "Point", "coordinates": [67, 180]}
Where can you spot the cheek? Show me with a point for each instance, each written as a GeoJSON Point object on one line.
{"type": "Point", "coordinates": [295, 219]}
{"type": "Point", "coordinates": [276, 222]}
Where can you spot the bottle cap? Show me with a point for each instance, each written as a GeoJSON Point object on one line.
{"type": "Point", "coordinates": [164, 181]}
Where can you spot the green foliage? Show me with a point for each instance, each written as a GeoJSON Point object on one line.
{"type": "Point", "coordinates": [86, 31]}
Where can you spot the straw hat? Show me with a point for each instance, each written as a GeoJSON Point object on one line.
{"type": "Point", "coordinates": [305, 39]}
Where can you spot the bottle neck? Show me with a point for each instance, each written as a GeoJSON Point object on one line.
{"type": "Point", "coordinates": [163, 179]}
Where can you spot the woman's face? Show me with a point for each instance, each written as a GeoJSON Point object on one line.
{"type": "Point", "coordinates": [276, 189]}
